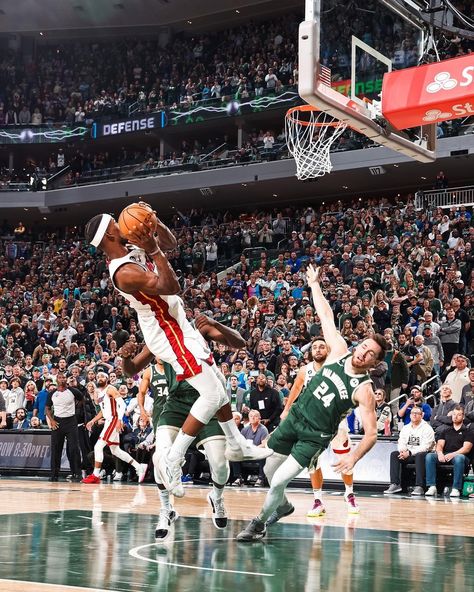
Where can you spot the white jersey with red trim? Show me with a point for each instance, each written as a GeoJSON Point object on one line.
{"type": "Point", "coordinates": [107, 404]}
{"type": "Point", "coordinates": [166, 330]}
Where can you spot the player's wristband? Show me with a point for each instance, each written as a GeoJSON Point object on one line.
{"type": "Point", "coordinates": [155, 252]}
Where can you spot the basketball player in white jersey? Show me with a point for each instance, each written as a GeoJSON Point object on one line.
{"type": "Point", "coordinates": [340, 444]}
{"type": "Point", "coordinates": [145, 278]}
{"type": "Point", "coordinates": [170, 410]}
{"type": "Point", "coordinates": [112, 408]}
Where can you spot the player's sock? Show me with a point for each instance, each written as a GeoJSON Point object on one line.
{"type": "Point", "coordinates": [96, 472]}
{"type": "Point", "coordinates": [218, 491]}
{"type": "Point", "coordinates": [231, 432]}
{"type": "Point", "coordinates": [318, 494]}
{"type": "Point", "coordinates": [164, 498]}
{"type": "Point", "coordinates": [349, 490]}
{"type": "Point", "coordinates": [180, 446]}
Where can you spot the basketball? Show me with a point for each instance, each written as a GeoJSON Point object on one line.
{"type": "Point", "coordinates": [135, 214]}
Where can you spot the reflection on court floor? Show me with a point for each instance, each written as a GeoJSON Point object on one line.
{"type": "Point", "coordinates": [116, 551]}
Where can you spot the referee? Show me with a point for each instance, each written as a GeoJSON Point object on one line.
{"type": "Point", "coordinates": [64, 425]}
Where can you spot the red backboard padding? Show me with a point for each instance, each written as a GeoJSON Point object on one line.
{"type": "Point", "coordinates": [429, 94]}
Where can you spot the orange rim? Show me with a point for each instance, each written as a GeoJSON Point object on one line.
{"type": "Point", "coordinates": [309, 109]}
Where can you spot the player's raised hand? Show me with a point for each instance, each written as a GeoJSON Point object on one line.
{"type": "Point", "coordinates": [312, 275]}
{"type": "Point", "coordinates": [144, 238]}
{"type": "Point", "coordinates": [128, 349]}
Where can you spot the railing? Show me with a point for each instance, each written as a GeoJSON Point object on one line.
{"type": "Point", "coordinates": [444, 198]}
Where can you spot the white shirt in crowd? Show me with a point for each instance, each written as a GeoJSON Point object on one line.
{"type": "Point", "coordinates": [67, 335]}
{"type": "Point", "coordinates": [416, 439]}
{"type": "Point", "coordinates": [457, 380]}
{"type": "Point", "coordinates": [14, 399]}
{"type": "Point", "coordinates": [133, 410]}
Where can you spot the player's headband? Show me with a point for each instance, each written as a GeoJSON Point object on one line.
{"type": "Point", "coordinates": [101, 230]}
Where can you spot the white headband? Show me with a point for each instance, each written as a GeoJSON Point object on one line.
{"type": "Point", "coordinates": [101, 230]}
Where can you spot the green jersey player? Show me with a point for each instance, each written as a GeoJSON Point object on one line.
{"type": "Point", "coordinates": [343, 382]}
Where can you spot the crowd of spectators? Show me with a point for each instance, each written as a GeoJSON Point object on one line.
{"type": "Point", "coordinates": [77, 81]}
{"type": "Point", "coordinates": [386, 268]}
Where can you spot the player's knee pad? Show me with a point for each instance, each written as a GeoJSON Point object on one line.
{"type": "Point", "coordinates": [272, 463]}
{"type": "Point", "coordinates": [286, 472]}
{"type": "Point", "coordinates": [99, 451]}
{"type": "Point", "coordinates": [212, 394]}
{"type": "Point", "coordinates": [218, 464]}
{"type": "Point", "coordinates": [204, 410]}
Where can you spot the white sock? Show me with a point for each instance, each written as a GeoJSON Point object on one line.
{"type": "Point", "coordinates": [135, 465]}
{"type": "Point", "coordinates": [218, 492]}
{"type": "Point", "coordinates": [231, 432]}
{"type": "Point", "coordinates": [318, 494]}
{"type": "Point", "coordinates": [165, 499]}
{"type": "Point", "coordinates": [96, 472]}
{"type": "Point", "coordinates": [180, 446]}
{"type": "Point", "coordinates": [349, 490]}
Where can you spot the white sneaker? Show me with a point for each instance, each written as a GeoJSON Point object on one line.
{"type": "Point", "coordinates": [455, 493]}
{"type": "Point", "coordinates": [103, 474]}
{"type": "Point", "coordinates": [165, 521]}
{"type": "Point", "coordinates": [352, 506]}
{"type": "Point", "coordinates": [141, 472]}
{"type": "Point", "coordinates": [219, 515]}
{"type": "Point", "coordinates": [170, 473]}
{"type": "Point", "coordinates": [246, 451]}
{"type": "Point", "coordinates": [431, 490]}
{"type": "Point", "coordinates": [118, 477]}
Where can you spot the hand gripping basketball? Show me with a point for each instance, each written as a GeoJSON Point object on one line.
{"type": "Point", "coordinates": [138, 223]}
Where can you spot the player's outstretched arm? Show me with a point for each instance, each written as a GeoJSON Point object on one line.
{"type": "Point", "coordinates": [294, 393]}
{"type": "Point", "coordinates": [212, 329]}
{"type": "Point", "coordinates": [331, 334]}
{"type": "Point", "coordinates": [134, 364]}
{"type": "Point", "coordinates": [366, 400]}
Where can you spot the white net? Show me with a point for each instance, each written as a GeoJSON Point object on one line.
{"type": "Point", "coordinates": [309, 136]}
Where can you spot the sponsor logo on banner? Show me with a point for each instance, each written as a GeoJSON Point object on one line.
{"type": "Point", "coordinates": [457, 110]}
{"type": "Point", "coordinates": [442, 81]}
{"type": "Point", "coordinates": [445, 81]}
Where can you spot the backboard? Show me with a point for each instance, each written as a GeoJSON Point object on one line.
{"type": "Point", "coordinates": [345, 48]}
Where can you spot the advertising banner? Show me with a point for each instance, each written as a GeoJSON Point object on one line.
{"type": "Point", "coordinates": [27, 450]}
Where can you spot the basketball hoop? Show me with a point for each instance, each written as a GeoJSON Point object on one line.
{"type": "Point", "coordinates": [310, 133]}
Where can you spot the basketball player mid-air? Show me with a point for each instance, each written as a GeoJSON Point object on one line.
{"type": "Point", "coordinates": [169, 413]}
{"type": "Point", "coordinates": [313, 420]}
{"type": "Point", "coordinates": [145, 278]}
{"type": "Point", "coordinates": [112, 408]}
{"type": "Point", "coordinates": [340, 444]}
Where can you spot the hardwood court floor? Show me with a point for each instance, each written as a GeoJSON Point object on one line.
{"type": "Point", "coordinates": [65, 536]}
